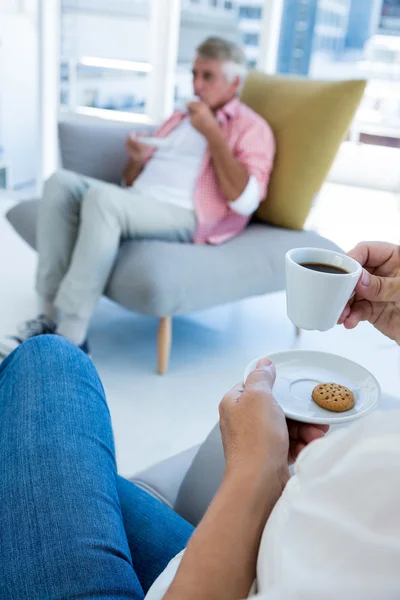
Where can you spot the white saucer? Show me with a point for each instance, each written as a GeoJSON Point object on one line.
{"type": "Point", "coordinates": [299, 371]}
{"type": "Point", "coordinates": [154, 141]}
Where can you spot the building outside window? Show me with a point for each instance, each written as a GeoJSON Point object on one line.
{"type": "Point", "coordinates": [343, 39]}
{"type": "Point", "coordinates": [296, 43]}
{"type": "Point", "coordinates": [250, 12]}
{"type": "Point", "coordinates": [251, 39]}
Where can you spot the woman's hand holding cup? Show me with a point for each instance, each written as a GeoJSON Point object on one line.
{"type": "Point", "coordinates": [377, 294]}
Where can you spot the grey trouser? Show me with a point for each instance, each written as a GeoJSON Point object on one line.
{"type": "Point", "coordinates": [81, 223]}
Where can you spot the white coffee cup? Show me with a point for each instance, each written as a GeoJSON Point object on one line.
{"type": "Point", "coordinates": [186, 100]}
{"type": "Point", "coordinates": [315, 300]}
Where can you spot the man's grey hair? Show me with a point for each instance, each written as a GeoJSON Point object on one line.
{"type": "Point", "coordinates": [231, 54]}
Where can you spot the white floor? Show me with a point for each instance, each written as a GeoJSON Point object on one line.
{"type": "Point", "coordinates": [155, 417]}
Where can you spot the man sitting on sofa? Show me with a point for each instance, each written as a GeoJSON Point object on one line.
{"type": "Point", "coordinates": [201, 186]}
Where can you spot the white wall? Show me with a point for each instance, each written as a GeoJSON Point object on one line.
{"type": "Point", "coordinates": [18, 89]}
{"type": "Point", "coordinates": [9, 5]}
{"type": "Point", "coordinates": [367, 166]}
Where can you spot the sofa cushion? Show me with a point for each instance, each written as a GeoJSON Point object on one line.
{"type": "Point", "coordinates": [309, 119]}
{"type": "Point", "coordinates": [162, 278]}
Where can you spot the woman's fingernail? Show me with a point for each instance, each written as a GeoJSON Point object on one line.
{"type": "Point", "coordinates": [366, 278]}
{"type": "Point", "coordinates": [264, 362]}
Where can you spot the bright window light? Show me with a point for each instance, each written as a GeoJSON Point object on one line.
{"type": "Point", "coordinates": [113, 115]}
{"type": "Point", "coordinates": [110, 63]}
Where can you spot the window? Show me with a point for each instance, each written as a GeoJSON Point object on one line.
{"type": "Point", "coordinates": [341, 39]}
{"type": "Point", "coordinates": [217, 18]}
{"type": "Point", "coordinates": [250, 12]}
{"type": "Point", "coordinates": [104, 54]}
{"type": "Point", "coordinates": [251, 39]}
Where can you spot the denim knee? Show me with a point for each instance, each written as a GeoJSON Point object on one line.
{"type": "Point", "coordinates": [51, 355]}
{"type": "Point", "coordinates": [52, 345]}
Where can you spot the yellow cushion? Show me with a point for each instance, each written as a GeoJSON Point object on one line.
{"type": "Point", "coordinates": [310, 120]}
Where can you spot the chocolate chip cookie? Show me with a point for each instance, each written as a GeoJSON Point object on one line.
{"type": "Point", "coordinates": [333, 397]}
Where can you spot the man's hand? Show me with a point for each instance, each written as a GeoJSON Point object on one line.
{"type": "Point", "coordinates": [255, 433]}
{"type": "Point", "coordinates": [231, 174]}
{"type": "Point", "coordinates": [136, 150]}
{"type": "Point", "coordinates": [202, 118]}
{"type": "Point", "coordinates": [377, 295]}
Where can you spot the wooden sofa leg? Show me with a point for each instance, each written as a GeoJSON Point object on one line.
{"type": "Point", "coordinates": [298, 331]}
{"type": "Point", "coordinates": [164, 344]}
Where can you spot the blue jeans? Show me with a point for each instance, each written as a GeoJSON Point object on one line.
{"type": "Point", "coordinates": [70, 527]}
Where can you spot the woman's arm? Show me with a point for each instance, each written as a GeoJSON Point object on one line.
{"type": "Point", "coordinates": [220, 560]}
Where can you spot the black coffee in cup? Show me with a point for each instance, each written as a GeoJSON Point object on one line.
{"type": "Point", "coordinates": [324, 268]}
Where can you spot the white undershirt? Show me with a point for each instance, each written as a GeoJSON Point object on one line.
{"type": "Point", "coordinates": [171, 174]}
{"type": "Point", "coordinates": [335, 532]}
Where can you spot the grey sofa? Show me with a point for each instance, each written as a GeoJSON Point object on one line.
{"type": "Point", "coordinates": [166, 279]}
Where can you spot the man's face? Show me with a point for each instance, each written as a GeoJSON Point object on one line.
{"type": "Point", "coordinates": [210, 84]}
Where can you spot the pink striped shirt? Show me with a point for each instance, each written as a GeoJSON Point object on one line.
{"type": "Point", "coordinates": [252, 142]}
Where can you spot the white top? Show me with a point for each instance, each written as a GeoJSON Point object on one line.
{"type": "Point", "coordinates": [335, 532]}
{"type": "Point", "coordinates": [171, 174]}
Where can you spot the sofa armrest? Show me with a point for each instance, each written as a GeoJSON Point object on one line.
{"type": "Point", "coordinates": [164, 479]}
{"type": "Point", "coordinates": [202, 479]}
{"type": "Point", "coordinates": [23, 218]}
{"type": "Point", "coordinates": [95, 149]}
{"type": "Point", "coordinates": [188, 481]}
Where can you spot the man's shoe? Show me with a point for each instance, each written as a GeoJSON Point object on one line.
{"type": "Point", "coordinates": [39, 326]}
{"type": "Point", "coordinates": [42, 325]}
